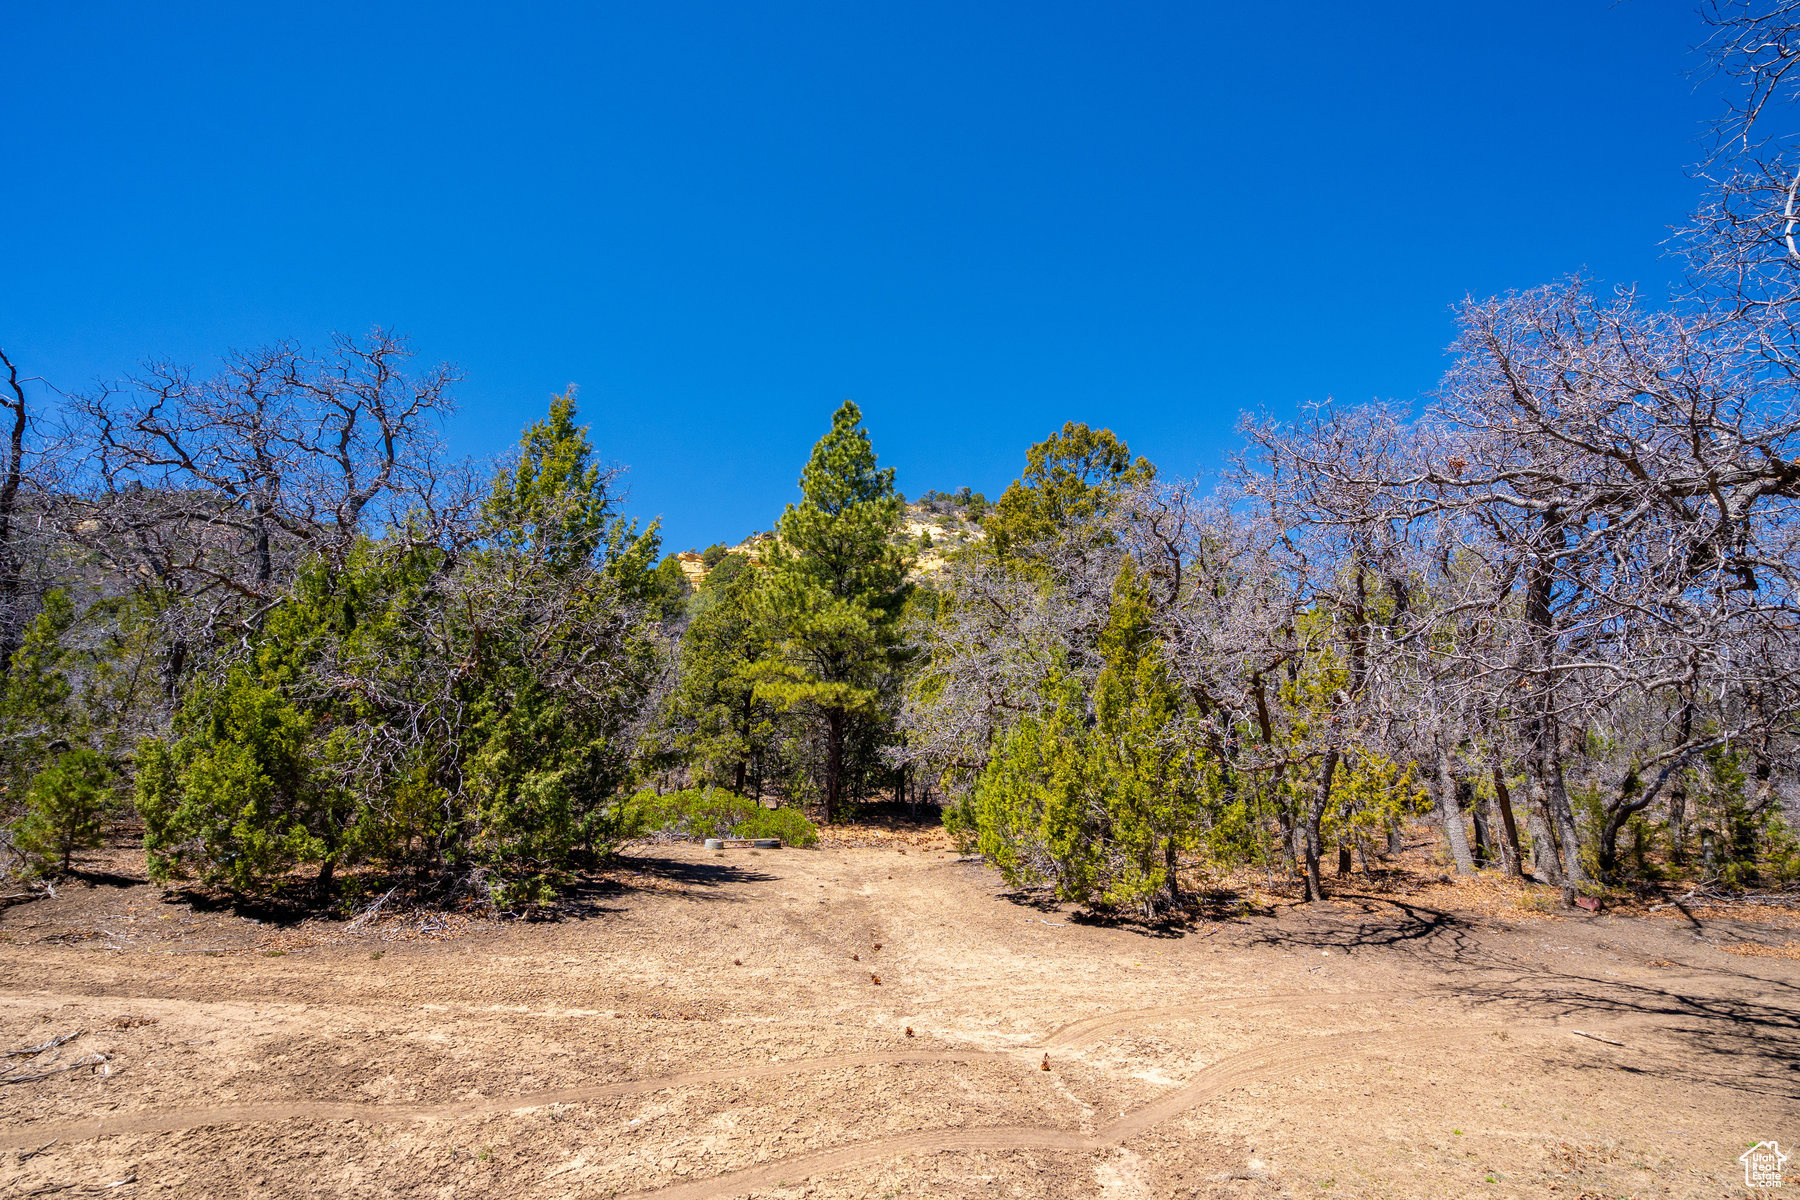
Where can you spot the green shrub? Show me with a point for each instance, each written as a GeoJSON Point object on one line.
{"type": "Point", "coordinates": [788, 824]}
{"type": "Point", "coordinates": [233, 794]}
{"type": "Point", "coordinates": [962, 824]}
{"type": "Point", "coordinates": [1784, 852]}
{"type": "Point", "coordinates": [65, 810]}
{"type": "Point", "coordinates": [712, 813]}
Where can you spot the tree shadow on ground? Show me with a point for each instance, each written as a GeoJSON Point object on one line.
{"type": "Point", "coordinates": [894, 815]}
{"type": "Point", "coordinates": [107, 878]}
{"type": "Point", "coordinates": [1199, 913]}
{"type": "Point", "coordinates": [1378, 923]}
{"type": "Point", "coordinates": [581, 894]}
{"type": "Point", "coordinates": [1747, 1042]}
{"type": "Point", "coordinates": [645, 872]}
{"type": "Point", "coordinates": [286, 904]}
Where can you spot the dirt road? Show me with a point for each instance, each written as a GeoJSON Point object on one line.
{"type": "Point", "coordinates": [738, 1024]}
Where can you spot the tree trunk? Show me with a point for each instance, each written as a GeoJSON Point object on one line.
{"type": "Point", "coordinates": [265, 562]}
{"type": "Point", "coordinates": [1678, 823]}
{"type": "Point", "coordinates": [1290, 838]}
{"type": "Point", "coordinates": [174, 664]}
{"type": "Point", "coordinates": [1170, 864]}
{"type": "Point", "coordinates": [834, 761]}
{"type": "Point", "coordinates": [1312, 876]}
{"type": "Point", "coordinates": [1315, 875]}
{"type": "Point", "coordinates": [1574, 875]}
{"type": "Point", "coordinates": [1765, 780]}
{"type": "Point", "coordinates": [1344, 865]}
{"type": "Point", "coordinates": [1544, 859]}
{"type": "Point", "coordinates": [1607, 852]}
{"type": "Point", "coordinates": [1511, 861]}
{"type": "Point", "coordinates": [1544, 738]}
{"type": "Point", "coordinates": [1450, 814]}
{"type": "Point", "coordinates": [1484, 839]}
{"type": "Point", "coordinates": [11, 568]}
{"type": "Point", "coordinates": [1396, 841]}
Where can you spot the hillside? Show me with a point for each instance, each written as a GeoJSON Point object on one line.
{"type": "Point", "coordinates": [932, 528]}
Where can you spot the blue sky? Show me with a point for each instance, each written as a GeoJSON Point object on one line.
{"type": "Point", "coordinates": [977, 220]}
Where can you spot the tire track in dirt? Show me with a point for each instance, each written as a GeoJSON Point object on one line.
{"type": "Point", "coordinates": [807, 1166]}
{"type": "Point", "coordinates": [1075, 1034]}
{"type": "Point", "coordinates": [1228, 1072]}
{"type": "Point", "coordinates": [1071, 1035]}
{"type": "Point", "coordinates": [1263, 1061]}
{"type": "Point", "coordinates": [251, 1114]}
{"type": "Point", "coordinates": [1092, 1029]}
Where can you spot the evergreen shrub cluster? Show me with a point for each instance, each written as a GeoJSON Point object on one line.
{"type": "Point", "coordinates": [709, 812]}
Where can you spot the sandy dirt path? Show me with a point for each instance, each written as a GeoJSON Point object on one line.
{"type": "Point", "coordinates": [716, 1029]}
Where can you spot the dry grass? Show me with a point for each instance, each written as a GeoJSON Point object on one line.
{"type": "Point", "coordinates": [1417, 875]}
{"type": "Point", "coordinates": [879, 834]}
{"type": "Point", "coordinates": [1751, 950]}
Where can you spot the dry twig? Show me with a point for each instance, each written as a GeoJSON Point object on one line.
{"type": "Point", "coordinates": [52, 1044]}
{"type": "Point", "coordinates": [96, 1059]}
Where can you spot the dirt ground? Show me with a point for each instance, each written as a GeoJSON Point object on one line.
{"type": "Point", "coordinates": [883, 1020]}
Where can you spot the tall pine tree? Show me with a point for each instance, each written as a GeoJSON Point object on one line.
{"type": "Point", "coordinates": [834, 589]}
{"type": "Point", "coordinates": [720, 723]}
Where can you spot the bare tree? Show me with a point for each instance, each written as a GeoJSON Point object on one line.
{"type": "Point", "coordinates": [207, 492]}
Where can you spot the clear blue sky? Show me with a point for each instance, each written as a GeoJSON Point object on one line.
{"type": "Point", "coordinates": [977, 220]}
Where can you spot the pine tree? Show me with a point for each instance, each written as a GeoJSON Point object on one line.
{"type": "Point", "coordinates": [65, 809]}
{"type": "Point", "coordinates": [1150, 784]}
{"type": "Point", "coordinates": [235, 791]}
{"type": "Point", "coordinates": [37, 710]}
{"type": "Point", "coordinates": [724, 727]}
{"type": "Point", "coordinates": [556, 504]}
{"type": "Point", "coordinates": [835, 589]}
{"type": "Point", "coordinates": [58, 789]}
{"type": "Point", "coordinates": [1031, 807]}
{"type": "Point", "coordinates": [548, 760]}
{"type": "Point", "coordinates": [1071, 478]}
{"type": "Point", "coordinates": [1103, 808]}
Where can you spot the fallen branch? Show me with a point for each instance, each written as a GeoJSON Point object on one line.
{"type": "Point", "coordinates": [89, 1189]}
{"type": "Point", "coordinates": [52, 1044]}
{"type": "Point", "coordinates": [1596, 1037]}
{"type": "Point", "coordinates": [96, 1059]}
{"type": "Point", "coordinates": [370, 911]}
{"type": "Point", "coordinates": [1705, 895]}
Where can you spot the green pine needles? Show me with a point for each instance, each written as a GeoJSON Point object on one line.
{"type": "Point", "coordinates": [831, 602]}
{"type": "Point", "coordinates": [1100, 797]}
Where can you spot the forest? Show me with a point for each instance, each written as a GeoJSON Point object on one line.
{"type": "Point", "coordinates": [1551, 609]}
